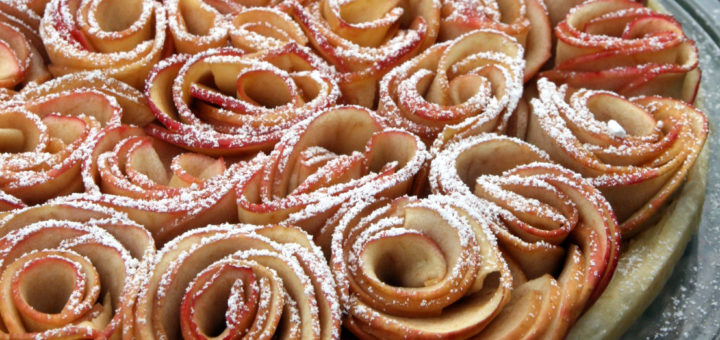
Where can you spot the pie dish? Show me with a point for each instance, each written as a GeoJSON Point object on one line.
{"type": "Point", "coordinates": [427, 235]}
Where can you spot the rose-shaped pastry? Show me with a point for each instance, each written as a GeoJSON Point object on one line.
{"type": "Point", "coordinates": [135, 109]}
{"type": "Point", "coordinates": [554, 226]}
{"type": "Point", "coordinates": [200, 25]}
{"type": "Point", "coordinates": [417, 268]}
{"type": "Point", "coordinates": [22, 55]}
{"type": "Point", "coordinates": [365, 39]}
{"type": "Point", "coordinates": [162, 187]}
{"type": "Point", "coordinates": [324, 161]}
{"type": "Point", "coordinates": [637, 151]}
{"type": "Point", "coordinates": [525, 20]}
{"type": "Point", "coordinates": [70, 271]}
{"type": "Point", "coordinates": [239, 281]}
{"type": "Point", "coordinates": [466, 86]}
{"type": "Point", "coordinates": [224, 101]}
{"type": "Point", "coordinates": [44, 140]}
{"type": "Point", "coordinates": [621, 46]}
{"type": "Point", "coordinates": [122, 38]}
{"type": "Point", "coordinates": [558, 9]}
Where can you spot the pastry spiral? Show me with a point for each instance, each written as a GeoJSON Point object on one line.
{"type": "Point", "coordinates": [70, 271]}
{"type": "Point", "coordinates": [162, 187]}
{"type": "Point", "coordinates": [232, 281]}
{"type": "Point", "coordinates": [45, 139]}
{"type": "Point", "coordinates": [417, 268]}
{"type": "Point", "coordinates": [525, 20]}
{"type": "Point", "coordinates": [365, 39]}
{"type": "Point", "coordinates": [121, 38]}
{"type": "Point", "coordinates": [465, 86]}
{"type": "Point", "coordinates": [636, 151]}
{"type": "Point", "coordinates": [322, 162]}
{"type": "Point", "coordinates": [224, 101]}
{"type": "Point", "coordinates": [200, 25]}
{"type": "Point", "coordinates": [22, 55]}
{"type": "Point", "coordinates": [624, 47]}
{"type": "Point", "coordinates": [554, 226]}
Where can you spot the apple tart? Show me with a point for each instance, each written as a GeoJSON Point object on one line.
{"type": "Point", "coordinates": [22, 55]}
{"type": "Point", "coordinates": [233, 281]}
{"type": "Point", "coordinates": [70, 270]}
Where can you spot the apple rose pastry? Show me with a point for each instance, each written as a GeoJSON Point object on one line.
{"type": "Point", "coordinates": [622, 46]}
{"type": "Point", "coordinates": [22, 55]}
{"type": "Point", "coordinates": [44, 140]}
{"type": "Point", "coordinates": [70, 271]}
{"type": "Point", "coordinates": [166, 189]}
{"type": "Point", "coordinates": [224, 101]}
{"type": "Point", "coordinates": [525, 20]}
{"type": "Point", "coordinates": [239, 281]}
{"type": "Point", "coordinates": [465, 86]}
{"type": "Point", "coordinates": [200, 25]}
{"type": "Point", "coordinates": [418, 268]}
{"type": "Point", "coordinates": [121, 38]}
{"type": "Point", "coordinates": [636, 151]}
{"type": "Point", "coordinates": [555, 229]}
{"type": "Point", "coordinates": [324, 161]}
{"type": "Point", "coordinates": [365, 39]}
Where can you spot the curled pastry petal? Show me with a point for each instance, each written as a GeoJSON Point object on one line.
{"type": "Point", "coordinates": [322, 162]}
{"type": "Point", "coordinates": [622, 46]}
{"type": "Point", "coordinates": [419, 268]}
{"type": "Point", "coordinates": [70, 270]}
{"type": "Point", "coordinates": [258, 29]}
{"type": "Point", "coordinates": [525, 20]}
{"type": "Point", "coordinates": [462, 87]}
{"type": "Point", "coordinates": [44, 140]}
{"type": "Point", "coordinates": [162, 187]}
{"type": "Point", "coordinates": [22, 54]}
{"type": "Point", "coordinates": [556, 229]}
{"type": "Point", "coordinates": [224, 101]}
{"type": "Point", "coordinates": [123, 39]}
{"type": "Point", "coordinates": [365, 39]}
{"type": "Point", "coordinates": [231, 281]}
{"type": "Point", "coordinates": [637, 151]}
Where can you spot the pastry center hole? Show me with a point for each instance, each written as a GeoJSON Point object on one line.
{"type": "Point", "coordinates": [46, 287]}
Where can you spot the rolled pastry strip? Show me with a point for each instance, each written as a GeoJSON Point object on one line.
{"type": "Point", "coordinates": [637, 151]}
{"type": "Point", "coordinates": [461, 87]}
{"type": "Point", "coordinates": [44, 140]}
{"type": "Point", "coordinates": [525, 20]}
{"type": "Point", "coordinates": [70, 271]}
{"type": "Point", "coordinates": [365, 39]}
{"type": "Point", "coordinates": [224, 101]}
{"type": "Point", "coordinates": [622, 46]}
{"type": "Point", "coordinates": [200, 25]}
{"type": "Point", "coordinates": [22, 54]}
{"type": "Point", "coordinates": [324, 161]}
{"type": "Point", "coordinates": [234, 281]}
{"type": "Point", "coordinates": [418, 268]}
{"type": "Point", "coordinates": [122, 38]}
{"type": "Point", "coordinates": [557, 230]}
{"type": "Point", "coordinates": [166, 189]}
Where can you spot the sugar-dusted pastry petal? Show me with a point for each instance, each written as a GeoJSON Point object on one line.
{"type": "Point", "coordinates": [166, 189]}
{"type": "Point", "coordinates": [122, 38]}
{"type": "Point", "coordinates": [365, 39]}
{"type": "Point", "coordinates": [224, 101]}
{"type": "Point", "coordinates": [135, 109]}
{"type": "Point", "coordinates": [462, 87]}
{"type": "Point", "coordinates": [525, 20]}
{"type": "Point", "coordinates": [235, 281]}
{"type": "Point", "coordinates": [45, 139]}
{"type": "Point", "coordinates": [324, 161]}
{"type": "Point", "coordinates": [200, 25]}
{"type": "Point", "coordinates": [622, 46]}
{"type": "Point", "coordinates": [417, 268]}
{"type": "Point", "coordinates": [636, 151]}
{"type": "Point", "coordinates": [22, 56]}
{"type": "Point", "coordinates": [70, 271]}
{"type": "Point", "coordinates": [556, 228]}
